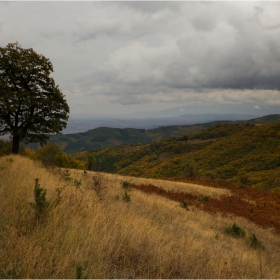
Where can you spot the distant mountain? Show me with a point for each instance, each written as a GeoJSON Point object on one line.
{"type": "Point", "coordinates": [269, 119]}
{"type": "Point", "coordinates": [103, 137]}
{"type": "Point", "coordinates": [83, 124]}
{"type": "Point", "coordinates": [157, 113]}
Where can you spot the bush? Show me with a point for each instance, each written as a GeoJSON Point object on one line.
{"type": "Point", "coordinates": [126, 185]}
{"type": "Point", "coordinates": [255, 242]}
{"type": "Point", "coordinates": [235, 231]}
{"type": "Point", "coordinates": [31, 154]}
{"type": "Point", "coordinates": [79, 272]}
{"type": "Point", "coordinates": [5, 147]}
{"type": "Point", "coordinates": [49, 154]}
{"type": "Point", "coordinates": [184, 205]}
{"type": "Point", "coordinates": [126, 197]}
{"type": "Point", "coordinates": [41, 204]}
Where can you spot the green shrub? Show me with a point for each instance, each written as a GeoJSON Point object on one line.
{"type": "Point", "coordinates": [6, 147]}
{"type": "Point", "coordinates": [79, 272]}
{"type": "Point", "coordinates": [255, 242]}
{"type": "Point", "coordinates": [126, 185]}
{"type": "Point", "coordinates": [235, 231]}
{"type": "Point", "coordinates": [126, 197]}
{"type": "Point", "coordinates": [41, 204]}
{"type": "Point", "coordinates": [49, 154]}
{"type": "Point", "coordinates": [184, 205]}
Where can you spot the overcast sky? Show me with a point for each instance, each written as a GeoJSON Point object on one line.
{"type": "Point", "coordinates": [122, 57]}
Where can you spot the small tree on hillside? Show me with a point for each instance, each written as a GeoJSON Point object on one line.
{"type": "Point", "coordinates": [30, 102]}
{"type": "Point", "coordinates": [49, 154]}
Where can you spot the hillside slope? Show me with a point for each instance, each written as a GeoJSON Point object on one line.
{"type": "Point", "coordinates": [244, 153]}
{"type": "Point", "coordinates": [89, 230]}
{"type": "Point", "coordinates": [103, 137]}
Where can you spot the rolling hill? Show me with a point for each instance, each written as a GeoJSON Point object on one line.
{"type": "Point", "coordinates": [103, 137]}
{"type": "Point", "coordinates": [247, 154]}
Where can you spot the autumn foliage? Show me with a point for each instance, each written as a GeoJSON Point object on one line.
{"type": "Point", "coordinates": [240, 153]}
{"type": "Point", "coordinates": [259, 206]}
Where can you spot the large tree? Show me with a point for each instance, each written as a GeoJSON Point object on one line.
{"type": "Point", "coordinates": [31, 105]}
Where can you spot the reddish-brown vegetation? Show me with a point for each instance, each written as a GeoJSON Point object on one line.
{"type": "Point", "coordinates": [259, 206]}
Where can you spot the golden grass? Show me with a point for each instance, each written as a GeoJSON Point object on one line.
{"type": "Point", "coordinates": [149, 237]}
{"type": "Point", "coordinates": [169, 185]}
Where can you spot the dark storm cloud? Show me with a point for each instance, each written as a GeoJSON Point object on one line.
{"type": "Point", "coordinates": [142, 52]}
{"type": "Point", "coordinates": [215, 50]}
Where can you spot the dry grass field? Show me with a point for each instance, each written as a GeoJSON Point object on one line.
{"type": "Point", "coordinates": [90, 230]}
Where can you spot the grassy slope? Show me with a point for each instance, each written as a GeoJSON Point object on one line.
{"type": "Point", "coordinates": [150, 237]}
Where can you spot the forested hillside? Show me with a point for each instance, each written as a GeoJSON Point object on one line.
{"type": "Point", "coordinates": [103, 137]}
{"type": "Point", "coordinates": [246, 154]}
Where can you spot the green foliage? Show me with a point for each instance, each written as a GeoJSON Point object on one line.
{"type": "Point", "coordinates": [190, 171]}
{"type": "Point", "coordinates": [184, 205]}
{"type": "Point", "coordinates": [67, 161]}
{"type": "Point", "coordinates": [126, 185]}
{"type": "Point", "coordinates": [255, 242]}
{"type": "Point", "coordinates": [52, 156]}
{"type": "Point", "coordinates": [204, 198]}
{"type": "Point", "coordinates": [235, 231]}
{"type": "Point", "coordinates": [31, 104]}
{"type": "Point", "coordinates": [79, 272]}
{"type": "Point", "coordinates": [218, 131]}
{"type": "Point", "coordinates": [104, 161]}
{"type": "Point", "coordinates": [244, 154]}
{"type": "Point", "coordinates": [49, 154]}
{"type": "Point", "coordinates": [5, 147]}
{"type": "Point", "coordinates": [41, 204]}
{"type": "Point", "coordinates": [126, 197]}
{"type": "Point", "coordinates": [103, 137]}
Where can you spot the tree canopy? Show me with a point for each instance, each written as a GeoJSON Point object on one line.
{"type": "Point", "coordinates": [31, 105]}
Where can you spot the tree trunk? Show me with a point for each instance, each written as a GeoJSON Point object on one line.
{"type": "Point", "coordinates": [15, 148]}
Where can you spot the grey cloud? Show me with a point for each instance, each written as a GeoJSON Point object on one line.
{"type": "Point", "coordinates": [204, 24]}
{"type": "Point", "coordinates": [121, 26]}
{"type": "Point", "coordinates": [132, 99]}
{"type": "Point", "coordinates": [140, 52]}
{"type": "Point", "coordinates": [151, 7]}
